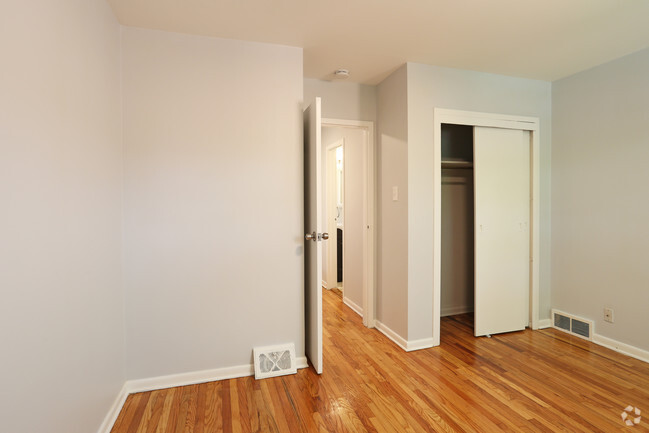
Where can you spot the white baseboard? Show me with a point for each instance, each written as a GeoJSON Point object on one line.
{"type": "Point", "coordinates": [324, 284]}
{"type": "Point", "coordinates": [452, 311]}
{"type": "Point", "coordinates": [396, 338]}
{"type": "Point", "coordinates": [545, 323]}
{"type": "Point", "coordinates": [182, 379]}
{"type": "Point", "coordinates": [623, 348]}
{"type": "Point", "coordinates": [424, 343]}
{"type": "Point", "coordinates": [194, 377]}
{"type": "Point", "coordinates": [113, 412]}
{"type": "Point", "coordinates": [406, 345]}
{"type": "Point", "coordinates": [301, 362]}
{"type": "Point", "coordinates": [191, 378]}
{"type": "Point", "coordinates": [354, 306]}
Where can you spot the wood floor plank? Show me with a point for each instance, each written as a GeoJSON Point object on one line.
{"type": "Point", "coordinates": [166, 410]}
{"type": "Point", "coordinates": [213, 408]}
{"type": "Point", "coordinates": [528, 381]}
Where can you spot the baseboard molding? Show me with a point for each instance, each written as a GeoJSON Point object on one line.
{"type": "Point", "coordinates": [452, 311]}
{"type": "Point", "coordinates": [302, 362]}
{"type": "Point", "coordinates": [194, 377]}
{"type": "Point", "coordinates": [354, 306]}
{"type": "Point", "coordinates": [182, 379]}
{"type": "Point", "coordinates": [424, 343]}
{"type": "Point", "coordinates": [623, 348]}
{"type": "Point", "coordinates": [191, 378]}
{"type": "Point", "coordinates": [113, 412]}
{"type": "Point", "coordinates": [396, 338]}
{"type": "Point", "coordinates": [545, 323]}
{"type": "Point", "coordinates": [324, 284]}
{"type": "Point", "coordinates": [406, 345]}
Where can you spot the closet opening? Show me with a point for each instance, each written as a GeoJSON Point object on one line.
{"type": "Point", "coordinates": [457, 221]}
{"type": "Point", "coordinates": [498, 157]}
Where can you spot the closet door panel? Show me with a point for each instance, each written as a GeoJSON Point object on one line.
{"type": "Point", "coordinates": [502, 236]}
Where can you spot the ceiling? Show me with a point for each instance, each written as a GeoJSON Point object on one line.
{"type": "Point", "coordinates": [539, 39]}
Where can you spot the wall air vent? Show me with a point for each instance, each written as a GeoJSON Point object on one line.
{"type": "Point", "coordinates": [574, 325]}
{"type": "Point", "coordinates": [274, 361]}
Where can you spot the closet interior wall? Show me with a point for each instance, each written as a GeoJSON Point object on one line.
{"type": "Point", "coordinates": [457, 254]}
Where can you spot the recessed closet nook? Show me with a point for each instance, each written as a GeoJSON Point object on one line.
{"type": "Point", "coordinates": [485, 226]}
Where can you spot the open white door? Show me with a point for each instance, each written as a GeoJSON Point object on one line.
{"type": "Point", "coordinates": [502, 229]}
{"type": "Point", "coordinates": [314, 235]}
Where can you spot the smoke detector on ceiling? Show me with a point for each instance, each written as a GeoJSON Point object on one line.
{"type": "Point", "coordinates": [341, 73]}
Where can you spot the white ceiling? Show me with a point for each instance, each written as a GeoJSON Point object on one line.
{"type": "Point", "coordinates": [540, 39]}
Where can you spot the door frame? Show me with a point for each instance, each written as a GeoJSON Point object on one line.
{"type": "Point", "coordinates": [470, 118]}
{"type": "Point", "coordinates": [369, 211]}
{"type": "Point", "coordinates": [332, 254]}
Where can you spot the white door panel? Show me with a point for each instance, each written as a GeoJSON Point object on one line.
{"type": "Point", "coordinates": [313, 225]}
{"type": "Point", "coordinates": [502, 229]}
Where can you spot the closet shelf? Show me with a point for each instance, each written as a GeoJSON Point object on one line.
{"type": "Point", "coordinates": [457, 164]}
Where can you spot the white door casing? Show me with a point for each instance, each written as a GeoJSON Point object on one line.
{"type": "Point", "coordinates": [369, 297]}
{"type": "Point", "coordinates": [332, 271]}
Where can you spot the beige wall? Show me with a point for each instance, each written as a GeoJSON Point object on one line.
{"type": "Point", "coordinates": [599, 197]}
{"type": "Point", "coordinates": [214, 201]}
{"type": "Point", "coordinates": [392, 222]}
{"type": "Point", "coordinates": [61, 314]}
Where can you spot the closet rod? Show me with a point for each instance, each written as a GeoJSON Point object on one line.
{"type": "Point", "coordinates": [457, 164]}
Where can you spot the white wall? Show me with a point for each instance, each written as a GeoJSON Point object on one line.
{"type": "Point", "coordinates": [61, 315]}
{"type": "Point", "coordinates": [432, 87]}
{"type": "Point", "coordinates": [342, 100]}
{"type": "Point", "coordinates": [599, 197]}
{"type": "Point", "coordinates": [392, 222]}
{"type": "Point", "coordinates": [354, 186]}
{"type": "Point", "coordinates": [214, 201]}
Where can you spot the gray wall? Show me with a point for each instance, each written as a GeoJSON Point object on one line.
{"type": "Point", "coordinates": [61, 314]}
{"type": "Point", "coordinates": [457, 283]}
{"type": "Point", "coordinates": [432, 87]}
{"type": "Point", "coordinates": [392, 222]}
{"type": "Point", "coordinates": [214, 201]}
{"type": "Point", "coordinates": [342, 100]}
{"type": "Point", "coordinates": [600, 185]}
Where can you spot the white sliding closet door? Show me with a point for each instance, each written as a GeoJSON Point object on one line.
{"type": "Point", "coordinates": [502, 229]}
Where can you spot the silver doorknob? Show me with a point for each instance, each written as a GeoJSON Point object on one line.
{"type": "Point", "coordinates": [310, 236]}
{"type": "Point", "coordinates": [325, 236]}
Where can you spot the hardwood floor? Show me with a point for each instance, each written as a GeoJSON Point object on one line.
{"type": "Point", "coordinates": [541, 381]}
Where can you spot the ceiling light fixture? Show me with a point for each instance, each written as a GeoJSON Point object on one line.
{"type": "Point", "coordinates": [341, 73]}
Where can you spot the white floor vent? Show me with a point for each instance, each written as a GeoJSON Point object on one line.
{"type": "Point", "coordinates": [574, 325]}
{"type": "Point", "coordinates": [274, 361]}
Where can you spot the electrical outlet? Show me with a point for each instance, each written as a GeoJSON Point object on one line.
{"type": "Point", "coordinates": [608, 315]}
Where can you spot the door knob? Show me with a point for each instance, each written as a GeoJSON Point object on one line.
{"type": "Point", "coordinates": [325, 236]}
{"type": "Point", "coordinates": [310, 236]}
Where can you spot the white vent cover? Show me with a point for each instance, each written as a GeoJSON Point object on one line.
{"type": "Point", "coordinates": [573, 325]}
{"type": "Point", "coordinates": [274, 361]}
